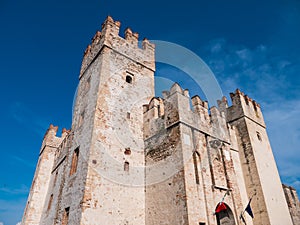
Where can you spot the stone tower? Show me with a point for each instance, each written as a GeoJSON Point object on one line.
{"type": "Point", "coordinates": [97, 172]}
{"type": "Point", "coordinates": [259, 167]}
{"type": "Point", "coordinates": [132, 158]}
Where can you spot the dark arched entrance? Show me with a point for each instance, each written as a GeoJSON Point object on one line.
{"type": "Point", "coordinates": [225, 217]}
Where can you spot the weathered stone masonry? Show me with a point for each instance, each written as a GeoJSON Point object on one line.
{"type": "Point", "coordinates": [132, 158]}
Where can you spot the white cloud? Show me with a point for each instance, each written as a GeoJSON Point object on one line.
{"type": "Point", "coordinates": [270, 80]}
{"type": "Point", "coordinates": [23, 189]}
{"type": "Point", "coordinates": [1, 223]}
{"type": "Point", "coordinates": [18, 223]}
{"type": "Point", "coordinates": [283, 124]}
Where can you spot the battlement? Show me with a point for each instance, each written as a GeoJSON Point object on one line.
{"type": "Point", "coordinates": [238, 94]}
{"type": "Point", "coordinates": [52, 132]}
{"type": "Point", "coordinates": [174, 107]}
{"type": "Point", "coordinates": [52, 139]}
{"type": "Point", "coordinates": [155, 107]}
{"type": "Point", "coordinates": [197, 101]}
{"type": "Point", "coordinates": [243, 105]}
{"type": "Point", "coordinates": [128, 46]}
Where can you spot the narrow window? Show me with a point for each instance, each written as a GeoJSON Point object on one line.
{"type": "Point", "coordinates": [50, 202]}
{"type": "Point", "coordinates": [158, 111]}
{"type": "Point", "coordinates": [55, 177]}
{"type": "Point", "coordinates": [128, 115]}
{"type": "Point", "coordinates": [129, 79]}
{"type": "Point", "coordinates": [65, 219]}
{"type": "Point", "coordinates": [195, 159]}
{"type": "Point", "coordinates": [258, 136]}
{"type": "Point", "coordinates": [126, 166]}
{"type": "Point", "coordinates": [74, 161]}
{"type": "Point", "coordinates": [293, 195]}
{"type": "Point", "coordinates": [201, 223]}
{"type": "Point", "coordinates": [87, 84]}
{"type": "Point", "coordinates": [81, 117]}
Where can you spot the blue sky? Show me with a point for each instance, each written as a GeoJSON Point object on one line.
{"type": "Point", "coordinates": [253, 45]}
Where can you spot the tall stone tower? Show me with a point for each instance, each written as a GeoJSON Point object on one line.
{"type": "Point", "coordinates": [97, 172]}
{"type": "Point", "coordinates": [259, 167]}
{"type": "Point", "coordinates": [132, 158]}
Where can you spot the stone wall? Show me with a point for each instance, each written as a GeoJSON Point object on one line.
{"type": "Point", "coordinates": [38, 192]}
{"type": "Point", "coordinates": [293, 203]}
{"type": "Point", "coordinates": [259, 168]}
{"type": "Point", "coordinates": [190, 164]}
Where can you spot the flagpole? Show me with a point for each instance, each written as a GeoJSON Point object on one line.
{"type": "Point", "coordinates": [242, 218]}
{"type": "Point", "coordinates": [226, 193]}
{"type": "Point", "coordinates": [243, 212]}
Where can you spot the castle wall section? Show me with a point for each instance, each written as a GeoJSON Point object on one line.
{"type": "Point", "coordinates": [259, 167]}
{"type": "Point", "coordinates": [293, 203]}
{"type": "Point", "coordinates": [197, 161]}
{"type": "Point", "coordinates": [39, 188]}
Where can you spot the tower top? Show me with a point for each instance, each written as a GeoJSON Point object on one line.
{"type": "Point", "coordinates": [128, 46]}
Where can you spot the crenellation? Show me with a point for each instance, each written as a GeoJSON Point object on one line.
{"type": "Point", "coordinates": [132, 37]}
{"type": "Point", "coordinates": [197, 101]}
{"type": "Point", "coordinates": [219, 124]}
{"type": "Point", "coordinates": [146, 45]}
{"type": "Point", "coordinates": [110, 27]}
{"type": "Point", "coordinates": [109, 37]}
{"type": "Point", "coordinates": [186, 93]}
{"type": "Point", "coordinates": [201, 111]}
{"type": "Point", "coordinates": [176, 89]}
{"type": "Point", "coordinates": [242, 105]}
{"type": "Point", "coordinates": [165, 94]}
{"type": "Point", "coordinates": [223, 105]}
{"type": "Point", "coordinates": [96, 38]}
{"type": "Point", "coordinates": [293, 203]}
{"type": "Point", "coordinates": [65, 133]}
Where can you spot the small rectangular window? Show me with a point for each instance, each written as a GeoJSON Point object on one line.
{"type": "Point", "coordinates": [129, 77]}
{"type": "Point", "coordinates": [126, 166]}
{"type": "Point", "coordinates": [55, 177]}
{"type": "Point", "coordinates": [258, 136]}
{"type": "Point", "coordinates": [65, 219]}
{"type": "Point", "coordinates": [74, 161]}
{"type": "Point", "coordinates": [195, 159]}
{"type": "Point", "coordinates": [201, 223]}
{"type": "Point", "coordinates": [50, 202]}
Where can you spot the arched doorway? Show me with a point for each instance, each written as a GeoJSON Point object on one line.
{"type": "Point", "coordinates": [225, 217]}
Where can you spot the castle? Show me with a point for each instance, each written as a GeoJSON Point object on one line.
{"type": "Point", "coordinates": [134, 159]}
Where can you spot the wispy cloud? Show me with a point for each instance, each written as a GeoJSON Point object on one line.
{"type": "Point", "coordinates": [25, 116]}
{"type": "Point", "coordinates": [25, 162]}
{"type": "Point", "coordinates": [23, 189]}
{"type": "Point", "coordinates": [11, 211]}
{"type": "Point", "coordinates": [272, 81]}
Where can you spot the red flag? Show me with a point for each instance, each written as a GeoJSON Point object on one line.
{"type": "Point", "coordinates": [221, 207]}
